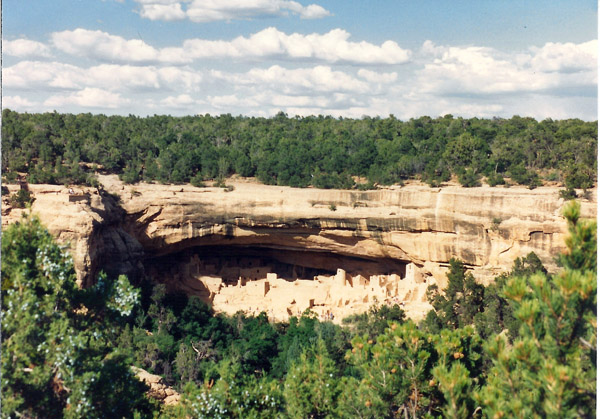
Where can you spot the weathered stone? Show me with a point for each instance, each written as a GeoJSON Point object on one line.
{"type": "Point", "coordinates": [414, 227]}
{"type": "Point", "coordinates": [157, 389]}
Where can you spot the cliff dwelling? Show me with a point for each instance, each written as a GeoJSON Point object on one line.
{"type": "Point", "coordinates": [251, 250]}
{"type": "Point", "coordinates": [287, 281]}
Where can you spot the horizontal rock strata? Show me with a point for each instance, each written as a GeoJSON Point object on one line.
{"type": "Point", "coordinates": [125, 227]}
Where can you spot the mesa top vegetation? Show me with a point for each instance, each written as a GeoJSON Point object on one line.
{"type": "Point", "coordinates": [321, 151]}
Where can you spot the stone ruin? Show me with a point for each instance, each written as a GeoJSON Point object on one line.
{"type": "Point", "coordinates": [253, 287]}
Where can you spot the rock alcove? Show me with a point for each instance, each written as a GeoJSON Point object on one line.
{"type": "Point", "coordinates": [283, 281]}
{"type": "Point", "coordinates": [311, 240]}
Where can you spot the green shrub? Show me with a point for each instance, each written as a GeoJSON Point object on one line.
{"type": "Point", "coordinates": [579, 177]}
{"type": "Point", "coordinates": [469, 179]}
{"type": "Point", "coordinates": [495, 179]}
{"type": "Point", "coordinates": [197, 181]}
{"type": "Point", "coordinates": [567, 194]}
{"type": "Point", "coordinates": [552, 176]}
{"type": "Point", "coordinates": [526, 177]}
{"type": "Point", "coordinates": [21, 198]}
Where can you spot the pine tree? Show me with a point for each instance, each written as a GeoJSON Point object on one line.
{"type": "Point", "coordinates": [461, 301]}
{"type": "Point", "coordinates": [395, 372]}
{"type": "Point", "coordinates": [310, 387]}
{"type": "Point", "coordinates": [550, 369]}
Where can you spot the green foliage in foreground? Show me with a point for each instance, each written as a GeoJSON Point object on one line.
{"type": "Point", "coordinates": [549, 370]}
{"type": "Point", "coordinates": [522, 347]}
{"type": "Point", "coordinates": [320, 151]}
{"type": "Point", "coordinates": [58, 353]}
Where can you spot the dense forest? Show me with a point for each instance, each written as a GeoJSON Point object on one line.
{"type": "Point", "coordinates": [320, 151]}
{"type": "Point", "coordinates": [524, 346]}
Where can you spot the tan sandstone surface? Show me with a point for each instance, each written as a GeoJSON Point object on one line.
{"type": "Point", "coordinates": [411, 232]}
{"type": "Point", "coordinates": [157, 389]}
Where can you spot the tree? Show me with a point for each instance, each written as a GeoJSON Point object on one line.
{"type": "Point", "coordinates": [310, 388]}
{"type": "Point", "coordinates": [394, 374]}
{"type": "Point", "coordinates": [233, 395]}
{"type": "Point", "coordinates": [469, 178]}
{"type": "Point", "coordinates": [375, 321]}
{"type": "Point", "coordinates": [550, 369]}
{"type": "Point", "coordinates": [461, 301]}
{"type": "Point", "coordinates": [59, 358]}
{"type": "Point", "coordinates": [466, 152]}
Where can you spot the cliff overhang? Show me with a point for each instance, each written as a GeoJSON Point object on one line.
{"type": "Point", "coordinates": [143, 229]}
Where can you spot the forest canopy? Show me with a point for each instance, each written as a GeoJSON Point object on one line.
{"type": "Point", "coordinates": [298, 151]}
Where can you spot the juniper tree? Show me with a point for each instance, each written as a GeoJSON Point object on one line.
{"type": "Point", "coordinates": [58, 358]}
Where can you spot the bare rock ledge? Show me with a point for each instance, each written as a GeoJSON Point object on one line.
{"type": "Point", "coordinates": [416, 230]}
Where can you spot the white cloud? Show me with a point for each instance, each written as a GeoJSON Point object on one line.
{"type": "Point", "coordinates": [568, 57]}
{"type": "Point", "coordinates": [25, 48]}
{"type": "Point", "coordinates": [103, 46]}
{"type": "Point", "coordinates": [180, 78]}
{"type": "Point", "coordinates": [297, 81]}
{"type": "Point", "coordinates": [429, 48]}
{"type": "Point", "coordinates": [168, 12]}
{"type": "Point", "coordinates": [332, 46]}
{"type": "Point", "coordinates": [376, 77]}
{"type": "Point", "coordinates": [118, 77]}
{"type": "Point", "coordinates": [486, 71]}
{"type": "Point", "coordinates": [314, 11]}
{"type": "Point", "coordinates": [183, 101]}
{"type": "Point", "coordinates": [17, 102]}
{"type": "Point", "coordinates": [33, 75]}
{"type": "Point", "coordinates": [294, 105]}
{"type": "Point", "coordinates": [151, 78]}
{"type": "Point", "coordinates": [229, 101]}
{"type": "Point", "coordinates": [89, 97]}
{"type": "Point", "coordinates": [215, 10]}
{"type": "Point", "coordinates": [37, 75]}
{"type": "Point", "coordinates": [305, 74]}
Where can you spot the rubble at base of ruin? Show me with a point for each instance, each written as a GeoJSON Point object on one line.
{"type": "Point", "coordinates": [329, 297]}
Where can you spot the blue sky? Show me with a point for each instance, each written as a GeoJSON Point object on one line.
{"type": "Point", "coordinates": [409, 58]}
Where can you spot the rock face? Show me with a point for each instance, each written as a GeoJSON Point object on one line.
{"type": "Point", "coordinates": [157, 388]}
{"type": "Point", "coordinates": [89, 222]}
{"type": "Point", "coordinates": [304, 232]}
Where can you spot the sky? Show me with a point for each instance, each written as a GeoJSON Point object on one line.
{"type": "Point", "coordinates": [407, 58]}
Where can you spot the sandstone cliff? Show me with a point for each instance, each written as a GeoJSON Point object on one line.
{"type": "Point", "coordinates": [384, 229]}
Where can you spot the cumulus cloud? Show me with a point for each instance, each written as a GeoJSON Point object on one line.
{"type": "Point", "coordinates": [89, 97]}
{"type": "Point", "coordinates": [180, 78]}
{"type": "Point", "coordinates": [182, 101]}
{"type": "Point", "coordinates": [17, 102]}
{"type": "Point", "coordinates": [32, 75]}
{"type": "Point", "coordinates": [25, 48]}
{"type": "Point", "coordinates": [565, 58]}
{"type": "Point", "coordinates": [304, 74]}
{"type": "Point", "coordinates": [39, 75]}
{"type": "Point", "coordinates": [297, 81]}
{"type": "Point", "coordinates": [377, 77]}
{"type": "Point", "coordinates": [104, 46]}
{"type": "Point", "coordinates": [202, 11]}
{"type": "Point", "coordinates": [232, 101]}
{"type": "Point", "coordinates": [333, 46]}
{"type": "Point", "coordinates": [486, 71]}
{"type": "Point", "coordinates": [168, 12]}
